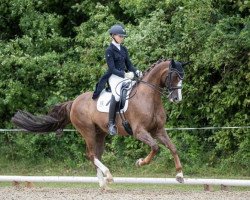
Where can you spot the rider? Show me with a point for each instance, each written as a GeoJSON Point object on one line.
{"type": "Point", "coordinates": [120, 69]}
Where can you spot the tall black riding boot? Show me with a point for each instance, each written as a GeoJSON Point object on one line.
{"type": "Point", "coordinates": [112, 115]}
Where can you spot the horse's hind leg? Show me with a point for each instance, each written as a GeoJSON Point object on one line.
{"type": "Point", "coordinates": [100, 139]}
{"type": "Point", "coordinates": [94, 154]}
{"type": "Point", "coordinates": [163, 138]}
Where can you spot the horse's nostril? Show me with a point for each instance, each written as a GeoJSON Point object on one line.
{"type": "Point", "coordinates": [175, 99]}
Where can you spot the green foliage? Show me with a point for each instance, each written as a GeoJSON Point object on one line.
{"type": "Point", "coordinates": [92, 36]}
{"type": "Point", "coordinates": [51, 51]}
{"type": "Point", "coordinates": [36, 148]}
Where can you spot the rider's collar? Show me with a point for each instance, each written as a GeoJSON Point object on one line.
{"type": "Point", "coordinates": [116, 44]}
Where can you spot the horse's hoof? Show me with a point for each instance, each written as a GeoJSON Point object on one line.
{"type": "Point", "coordinates": [109, 178]}
{"type": "Point", "coordinates": [179, 177]}
{"type": "Point", "coordinates": [139, 162]}
{"type": "Point", "coordinates": [103, 185]}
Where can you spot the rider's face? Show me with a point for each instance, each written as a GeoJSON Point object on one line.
{"type": "Point", "coordinates": [119, 39]}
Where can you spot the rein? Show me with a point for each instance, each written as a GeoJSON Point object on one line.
{"type": "Point", "coordinates": [155, 87]}
{"type": "Point", "coordinates": [168, 83]}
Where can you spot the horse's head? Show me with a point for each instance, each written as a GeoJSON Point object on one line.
{"type": "Point", "coordinates": [171, 75]}
{"type": "Point", "coordinates": [173, 81]}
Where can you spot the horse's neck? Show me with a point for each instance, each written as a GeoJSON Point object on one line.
{"type": "Point", "coordinates": [155, 75]}
{"type": "Point", "coordinates": [153, 82]}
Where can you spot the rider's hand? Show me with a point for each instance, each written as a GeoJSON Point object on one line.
{"type": "Point", "coordinates": [129, 75]}
{"type": "Point", "coordinates": [138, 73]}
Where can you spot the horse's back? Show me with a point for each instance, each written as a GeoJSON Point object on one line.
{"type": "Point", "coordinates": [83, 106]}
{"type": "Point", "coordinates": [84, 115]}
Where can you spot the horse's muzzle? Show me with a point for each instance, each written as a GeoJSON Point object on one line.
{"type": "Point", "coordinates": [174, 100]}
{"type": "Point", "coordinates": [175, 96]}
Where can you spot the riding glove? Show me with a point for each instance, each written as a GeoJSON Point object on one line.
{"type": "Point", "coordinates": [138, 73]}
{"type": "Point", "coordinates": [129, 75]}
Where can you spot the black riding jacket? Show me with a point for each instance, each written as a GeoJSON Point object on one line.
{"type": "Point", "coordinates": [118, 60]}
{"type": "Point", "coordinates": [118, 63]}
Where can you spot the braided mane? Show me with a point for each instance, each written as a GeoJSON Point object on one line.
{"type": "Point", "coordinates": [153, 65]}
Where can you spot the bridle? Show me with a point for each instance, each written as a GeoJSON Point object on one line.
{"type": "Point", "coordinates": [168, 82]}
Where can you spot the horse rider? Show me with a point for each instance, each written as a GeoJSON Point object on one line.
{"type": "Point", "coordinates": [120, 69]}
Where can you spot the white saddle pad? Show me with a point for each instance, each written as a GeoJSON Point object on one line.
{"type": "Point", "coordinates": [103, 101]}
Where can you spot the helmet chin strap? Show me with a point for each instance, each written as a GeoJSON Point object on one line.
{"type": "Point", "coordinates": [114, 38]}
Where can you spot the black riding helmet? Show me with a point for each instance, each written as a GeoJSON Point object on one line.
{"type": "Point", "coordinates": [117, 29]}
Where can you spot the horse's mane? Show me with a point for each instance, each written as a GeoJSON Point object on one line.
{"type": "Point", "coordinates": [153, 65]}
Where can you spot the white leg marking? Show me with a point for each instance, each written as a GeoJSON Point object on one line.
{"type": "Point", "coordinates": [102, 182]}
{"type": "Point", "coordinates": [179, 91]}
{"type": "Point", "coordinates": [179, 177]}
{"type": "Point", "coordinates": [104, 170]}
{"type": "Point", "coordinates": [139, 162]}
{"type": "Point", "coordinates": [101, 166]}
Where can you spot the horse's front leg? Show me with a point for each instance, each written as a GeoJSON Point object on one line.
{"type": "Point", "coordinates": [102, 168]}
{"type": "Point", "coordinates": [163, 138]}
{"type": "Point", "coordinates": [146, 138]}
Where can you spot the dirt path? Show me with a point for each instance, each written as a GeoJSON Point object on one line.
{"type": "Point", "coordinates": [12, 193]}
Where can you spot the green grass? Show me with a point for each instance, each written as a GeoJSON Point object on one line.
{"type": "Point", "coordinates": [156, 169]}
{"type": "Point", "coordinates": [49, 168]}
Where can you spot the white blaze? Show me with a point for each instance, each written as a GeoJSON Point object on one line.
{"type": "Point", "coordinates": [179, 90]}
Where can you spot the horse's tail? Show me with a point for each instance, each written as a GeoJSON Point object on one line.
{"type": "Point", "coordinates": [55, 120]}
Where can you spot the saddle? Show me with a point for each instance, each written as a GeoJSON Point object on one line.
{"type": "Point", "coordinates": [103, 101]}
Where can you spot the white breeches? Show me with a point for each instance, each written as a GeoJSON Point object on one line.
{"type": "Point", "coordinates": [115, 83]}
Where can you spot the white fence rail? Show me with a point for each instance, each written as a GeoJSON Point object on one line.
{"type": "Point", "coordinates": [131, 180]}
{"type": "Point", "coordinates": [167, 129]}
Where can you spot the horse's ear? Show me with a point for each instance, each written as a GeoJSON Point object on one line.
{"type": "Point", "coordinates": [186, 63]}
{"type": "Point", "coordinates": [172, 63]}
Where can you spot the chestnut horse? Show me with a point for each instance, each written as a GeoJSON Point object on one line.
{"type": "Point", "coordinates": [145, 113]}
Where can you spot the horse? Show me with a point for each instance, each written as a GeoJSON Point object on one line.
{"type": "Point", "coordinates": [145, 113]}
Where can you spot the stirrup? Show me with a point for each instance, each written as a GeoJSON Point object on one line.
{"type": "Point", "coordinates": [112, 129]}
